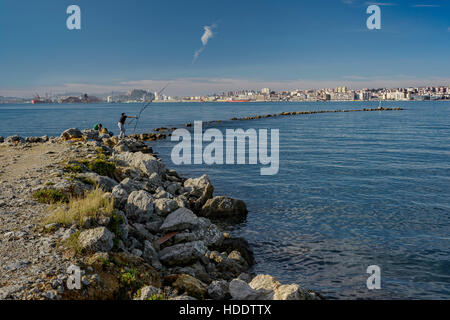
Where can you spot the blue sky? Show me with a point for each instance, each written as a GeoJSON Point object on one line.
{"type": "Point", "coordinates": [280, 44]}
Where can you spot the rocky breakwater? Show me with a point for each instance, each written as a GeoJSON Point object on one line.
{"type": "Point", "coordinates": [138, 230]}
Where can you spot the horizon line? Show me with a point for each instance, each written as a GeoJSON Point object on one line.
{"type": "Point", "coordinates": [202, 86]}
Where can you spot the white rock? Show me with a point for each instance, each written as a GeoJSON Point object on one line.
{"type": "Point", "coordinates": [98, 239]}
{"type": "Point", "coordinates": [131, 185]}
{"type": "Point", "coordinates": [287, 292]}
{"type": "Point", "coordinates": [164, 206]}
{"type": "Point", "coordinates": [72, 133]}
{"type": "Point", "coordinates": [208, 232]}
{"type": "Point", "coordinates": [139, 205]}
{"type": "Point", "coordinates": [147, 163]}
{"type": "Point", "coordinates": [263, 281]}
{"type": "Point", "coordinates": [199, 188]}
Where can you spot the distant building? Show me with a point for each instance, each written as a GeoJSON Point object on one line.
{"type": "Point", "coordinates": [265, 91]}
{"type": "Point", "coordinates": [364, 95]}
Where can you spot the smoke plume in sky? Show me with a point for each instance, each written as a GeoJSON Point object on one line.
{"type": "Point", "coordinates": [207, 34]}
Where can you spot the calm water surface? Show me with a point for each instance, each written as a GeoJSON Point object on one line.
{"type": "Point", "coordinates": [353, 189]}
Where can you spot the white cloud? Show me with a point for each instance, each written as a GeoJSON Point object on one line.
{"type": "Point", "coordinates": [425, 6]}
{"type": "Point", "coordinates": [382, 4]}
{"type": "Point", "coordinates": [207, 34]}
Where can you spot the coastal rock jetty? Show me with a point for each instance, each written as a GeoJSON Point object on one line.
{"type": "Point", "coordinates": [168, 132]}
{"type": "Point", "coordinates": [90, 216]}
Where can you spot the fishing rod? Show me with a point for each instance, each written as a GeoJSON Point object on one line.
{"type": "Point", "coordinates": [146, 105]}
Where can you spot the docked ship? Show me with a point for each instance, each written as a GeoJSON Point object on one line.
{"type": "Point", "coordinates": [238, 99]}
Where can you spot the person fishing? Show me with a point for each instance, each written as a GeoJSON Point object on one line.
{"type": "Point", "coordinates": [121, 124]}
{"type": "Point", "coordinates": [98, 126]}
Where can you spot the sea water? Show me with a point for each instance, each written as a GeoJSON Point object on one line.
{"type": "Point", "coordinates": [353, 189]}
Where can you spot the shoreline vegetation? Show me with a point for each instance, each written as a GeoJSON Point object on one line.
{"type": "Point", "coordinates": [133, 227]}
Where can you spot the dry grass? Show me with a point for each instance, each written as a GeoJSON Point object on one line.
{"type": "Point", "coordinates": [93, 205]}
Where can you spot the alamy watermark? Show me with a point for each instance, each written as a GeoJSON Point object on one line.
{"type": "Point", "coordinates": [73, 22]}
{"type": "Point", "coordinates": [74, 278]}
{"type": "Point", "coordinates": [221, 150]}
{"type": "Point", "coordinates": [374, 281]}
{"type": "Point", "coordinates": [374, 21]}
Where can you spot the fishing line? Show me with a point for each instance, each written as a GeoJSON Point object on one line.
{"type": "Point", "coordinates": [145, 106]}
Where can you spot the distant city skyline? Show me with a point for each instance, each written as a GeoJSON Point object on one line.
{"type": "Point", "coordinates": [340, 93]}
{"type": "Point", "coordinates": [284, 45]}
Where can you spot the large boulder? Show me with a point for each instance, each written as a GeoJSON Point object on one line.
{"type": "Point", "coordinates": [237, 258]}
{"type": "Point", "coordinates": [191, 286]}
{"type": "Point", "coordinates": [180, 219]}
{"type": "Point", "coordinates": [72, 133]}
{"type": "Point", "coordinates": [139, 206]}
{"type": "Point", "coordinates": [97, 240]}
{"type": "Point", "coordinates": [209, 233]}
{"type": "Point", "coordinates": [154, 180]}
{"type": "Point", "coordinates": [226, 265]}
{"type": "Point", "coordinates": [110, 141]}
{"type": "Point", "coordinates": [240, 244]}
{"type": "Point", "coordinates": [140, 232]}
{"type": "Point", "coordinates": [164, 206]}
{"type": "Point", "coordinates": [90, 134]}
{"type": "Point", "coordinates": [154, 225]}
{"type": "Point", "coordinates": [106, 183]}
{"type": "Point", "coordinates": [182, 201]}
{"type": "Point", "coordinates": [288, 292]}
{"type": "Point", "coordinates": [120, 196]}
{"type": "Point", "coordinates": [264, 281]}
{"type": "Point", "coordinates": [131, 185]}
{"type": "Point", "coordinates": [183, 254]}
{"type": "Point", "coordinates": [14, 140]}
{"type": "Point", "coordinates": [174, 188]}
{"type": "Point", "coordinates": [219, 290]}
{"type": "Point", "coordinates": [147, 163]}
{"type": "Point", "coordinates": [132, 145]}
{"type": "Point", "coordinates": [280, 291]}
{"type": "Point", "coordinates": [198, 191]}
{"type": "Point", "coordinates": [223, 207]}
{"type": "Point", "coordinates": [240, 290]}
{"type": "Point", "coordinates": [151, 256]}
